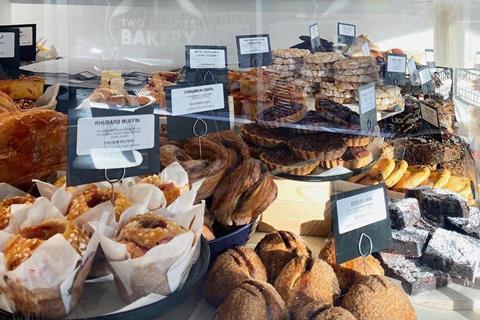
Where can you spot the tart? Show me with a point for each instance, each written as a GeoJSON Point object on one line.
{"type": "Point", "coordinates": [281, 114]}
{"type": "Point", "coordinates": [322, 147]}
{"type": "Point", "coordinates": [284, 161]}
{"type": "Point", "coordinates": [312, 122]}
{"type": "Point", "coordinates": [337, 112]}
{"type": "Point", "coordinates": [268, 138]}
{"type": "Point", "coordinates": [357, 140]}
{"type": "Point", "coordinates": [354, 158]}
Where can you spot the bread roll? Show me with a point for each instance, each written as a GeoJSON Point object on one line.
{"type": "Point", "coordinates": [33, 144]}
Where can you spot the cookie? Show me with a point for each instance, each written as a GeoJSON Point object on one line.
{"type": "Point", "coordinates": [344, 85]}
{"type": "Point", "coordinates": [355, 63]}
{"type": "Point", "coordinates": [316, 73]}
{"type": "Point", "coordinates": [358, 79]}
{"type": "Point", "coordinates": [285, 67]}
{"type": "Point", "coordinates": [335, 93]}
{"type": "Point", "coordinates": [286, 61]}
{"type": "Point", "coordinates": [289, 53]}
{"type": "Point", "coordinates": [322, 57]}
{"type": "Point", "coordinates": [360, 71]}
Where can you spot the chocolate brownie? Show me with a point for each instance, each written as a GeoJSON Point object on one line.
{"type": "Point", "coordinates": [408, 242]}
{"type": "Point", "coordinates": [455, 253]}
{"type": "Point", "coordinates": [404, 213]}
{"type": "Point", "coordinates": [414, 277]}
{"type": "Point", "coordinates": [469, 226]}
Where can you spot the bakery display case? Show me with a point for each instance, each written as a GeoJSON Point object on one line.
{"type": "Point", "coordinates": [255, 159]}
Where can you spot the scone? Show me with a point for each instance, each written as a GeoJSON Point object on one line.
{"type": "Point", "coordinates": [350, 271]}
{"type": "Point", "coordinates": [276, 249]}
{"type": "Point", "coordinates": [377, 298]}
{"type": "Point", "coordinates": [230, 270]}
{"type": "Point", "coordinates": [252, 300]}
{"type": "Point", "coordinates": [309, 277]}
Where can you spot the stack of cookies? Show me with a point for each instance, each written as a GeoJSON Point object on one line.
{"type": "Point", "coordinates": [287, 62]}
{"type": "Point", "coordinates": [349, 75]}
{"type": "Point", "coordinates": [317, 67]}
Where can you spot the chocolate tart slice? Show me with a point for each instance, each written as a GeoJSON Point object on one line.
{"type": "Point", "coordinates": [312, 122]}
{"type": "Point", "coordinates": [268, 138]}
{"type": "Point", "coordinates": [337, 112]}
{"type": "Point", "coordinates": [353, 158]}
{"type": "Point", "coordinates": [278, 115]}
{"type": "Point", "coordinates": [284, 161]}
{"type": "Point", "coordinates": [320, 147]}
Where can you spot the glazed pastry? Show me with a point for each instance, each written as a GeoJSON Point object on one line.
{"type": "Point", "coordinates": [243, 194]}
{"type": "Point", "coordinates": [33, 144]}
{"type": "Point", "coordinates": [235, 146]}
{"type": "Point", "coordinates": [276, 249]}
{"type": "Point", "coordinates": [414, 176]}
{"type": "Point", "coordinates": [7, 105]}
{"type": "Point", "coordinates": [282, 160]}
{"type": "Point", "coordinates": [305, 276]}
{"type": "Point", "coordinates": [170, 189]}
{"type": "Point", "coordinates": [145, 231]}
{"type": "Point", "coordinates": [92, 196]}
{"type": "Point", "coordinates": [280, 115]}
{"type": "Point", "coordinates": [22, 245]}
{"type": "Point", "coordinates": [353, 158]}
{"type": "Point", "coordinates": [5, 205]}
{"type": "Point", "coordinates": [438, 179]}
{"type": "Point", "coordinates": [319, 310]}
{"type": "Point", "coordinates": [382, 169]}
{"type": "Point", "coordinates": [252, 300]}
{"type": "Point", "coordinates": [401, 167]}
{"type": "Point", "coordinates": [350, 271]}
{"type": "Point", "coordinates": [219, 160]}
{"type": "Point", "coordinates": [320, 147]}
{"type": "Point", "coordinates": [268, 138]}
{"type": "Point", "coordinates": [377, 298]}
{"type": "Point", "coordinates": [230, 270]}
{"type": "Point", "coordinates": [170, 153]}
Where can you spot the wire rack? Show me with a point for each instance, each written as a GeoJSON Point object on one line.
{"type": "Point", "coordinates": [467, 86]}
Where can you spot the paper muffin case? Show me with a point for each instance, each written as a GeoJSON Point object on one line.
{"type": "Point", "coordinates": [164, 268]}
{"type": "Point", "coordinates": [49, 283]}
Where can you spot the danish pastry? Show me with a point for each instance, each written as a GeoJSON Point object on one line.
{"type": "Point", "coordinates": [22, 245]}
{"type": "Point", "coordinates": [437, 179]}
{"type": "Point", "coordinates": [229, 270]}
{"type": "Point", "coordinates": [92, 196]}
{"type": "Point", "coordinates": [7, 105]}
{"type": "Point", "coordinates": [7, 203]}
{"type": "Point", "coordinates": [401, 167]}
{"type": "Point", "coordinates": [414, 176]}
{"type": "Point", "coordinates": [382, 169]}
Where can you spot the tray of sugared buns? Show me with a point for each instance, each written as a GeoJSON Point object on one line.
{"type": "Point", "coordinates": [91, 251]}
{"type": "Point", "coordinates": [281, 279]}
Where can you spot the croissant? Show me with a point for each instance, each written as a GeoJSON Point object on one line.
{"type": "Point", "coordinates": [7, 105]}
{"type": "Point", "coordinates": [33, 144]}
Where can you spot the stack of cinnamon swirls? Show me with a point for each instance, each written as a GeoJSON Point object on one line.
{"type": "Point", "coordinates": [241, 187]}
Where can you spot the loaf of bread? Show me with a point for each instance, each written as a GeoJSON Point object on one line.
{"type": "Point", "coordinates": [33, 144]}
{"type": "Point", "coordinates": [23, 88]}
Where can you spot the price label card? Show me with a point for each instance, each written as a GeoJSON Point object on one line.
{"type": "Point", "coordinates": [426, 82]}
{"type": "Point", "coordinates": [346, 33]}
{"type": "Point", "coordinates": [9, 54]}
{"type": "Point", "coordinates": [314, 37]}
{"type": "Point", "coordinates": [430, 115]}
{"type": "Point", "coordinates": [412, 70]}
{"type": "Point", "coordinates": [197, 99]}
{"type": "Point", "coordinates": [27, 40]}
{"type": "Point", "coordinates": [111, 142]}
{"type": "Point", "coordinates": [368, 107]}
{"type": "Point", "coordinates": [395, 69]}
{"type": "Point", "coordinates": [199, 57]}
{"type": "Point", "coordinates": [361, 223]}
{"type": "Point", "coordinates": [430, 58]}
{"type": "Point", "coordinates": [365, 49]}
{"type": "Point", "coordinates": [254, 51]}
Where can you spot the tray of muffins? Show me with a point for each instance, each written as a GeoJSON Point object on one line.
{"type": "Point", "coordinates": [137, 248]}
{"type": "Point", "coordinates": [324, 144]}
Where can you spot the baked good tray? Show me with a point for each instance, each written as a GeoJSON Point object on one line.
{"type": "Point", "coordinates": [100, 299]}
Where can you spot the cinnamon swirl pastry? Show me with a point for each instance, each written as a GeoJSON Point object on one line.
{"type": "Point", "coordinates": [243, 194]}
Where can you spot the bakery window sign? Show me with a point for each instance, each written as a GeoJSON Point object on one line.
{"type": "Point", "coordinates": [109, 144]}
{"type": "Point", "coordinates": [361, 223]}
